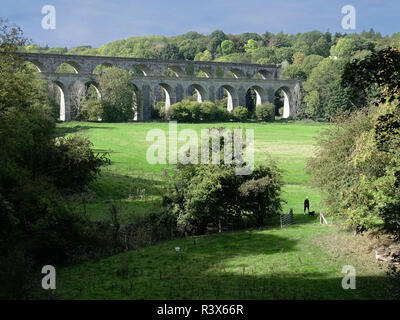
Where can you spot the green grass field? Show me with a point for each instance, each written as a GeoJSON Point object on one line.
{"type": "Point", "coordinates": [303, 261]}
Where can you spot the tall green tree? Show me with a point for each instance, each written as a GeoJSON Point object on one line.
{"type": "Point", "coordinates": [215, 40]}
{"type": "Point", "coordinates": [227, 47]}
{"type": "Point", "coordinates": [325, 95]}
{"type": "Point", "coordinates": [170, 52]}
{"type": "Point", "coordinates": [117, 95]}
{"type": "Point", "coordinates": [345, 48]}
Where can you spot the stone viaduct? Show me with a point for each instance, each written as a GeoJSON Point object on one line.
{"type": "Point", "coordinates": [180, 82]}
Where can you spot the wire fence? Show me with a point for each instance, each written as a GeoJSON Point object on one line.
{"type": "Point", "coordinates": [287, 219]}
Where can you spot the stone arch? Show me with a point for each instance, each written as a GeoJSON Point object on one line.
{"type": "Point", "coordinates": [178, 71]}
{"type": "Point", "coordinates": [201, 92]}
{"type": "Point", "coordinates": [64, 105]}
{"type": "Point", "coordinates": [97, 69]}
{"type": "Point", "coordinates": [255, 95]}
{"type": "Point", "coordinates": [137, 102]}
{"type": "Point", "coordinates": [287, 108]}
{"type": "Point", "coordinates": [140, 70]}
{"type": "Point", "coordinates": [173, 71]}
{"type": "Point", "coordinates": [95, 85]}
{"type": "Point", "coordinates": [170, 97]}
{"type": "Point", "coordinates": [237, 73]}
{"type": "Point", "coordinates": [263, 74]}
{"type": "Point", "coordinates": [205, 72]}
{"type": "Point", "coordinates": [75, 66]}
{"type": "Point", "coordinates": [232, 96]}
{"type": "Point", "coordinates": [39, 66]}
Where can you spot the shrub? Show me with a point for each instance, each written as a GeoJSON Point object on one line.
{"type": "Point", "coordinates": [180, 112]}
{"type": "Point", "coordinates": [208, 111]}
{"type": "Point", "coordinates": [158, 111]}
{"type": "Point", "coordinates": [92, 110]}
{"type": "Point", "coordinates": [73, 164]}
{"type": "Point", "coordinates": [194, 109]}
{"type": "Point", "coordinates": [211, 194]}
{"type": "Point", "coordinates": [265, 112]}
{"type": "Point", "coordinates": [222, 114]}
{"type": "Point", "coordinates": [240, 114]}
{"type": "Point", "coordinates": [358, 167]}
{"type": "Point", "coordinates": [204, 194]}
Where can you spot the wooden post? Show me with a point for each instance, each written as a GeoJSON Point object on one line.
{"type": "Point", "coordinates": [322, 218]}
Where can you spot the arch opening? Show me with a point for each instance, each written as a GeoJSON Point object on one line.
{"type": "Point", "coordinates": [162, 96]}
{"type": "Point", "coordinates": [173, 72]}
{"type": "Point", "coordinates": [227, 93]}
{"type": "Point", "coordinates": [93, 90]}
{"type": "Point", "coordinates": [34, 66]}
{"type": "Point", "coordinates": [230, 75]}
{"type": "Point", "coordinates": [204, 73]}
{"type": "Point", "coordinates": [56, 93]}
{"type": "Point", "coordinates": [140, 70]}
{"type": "Point", "coordinates": [262, 74]}
{"type": "Point", "coordinates": [167, 94]}
{"type": "Point", "coordinates": [136, 103]}
{"type": "Point", "coordinates": [68, 67]}
{"type": "Point", "coordinates": [198, 92]}
{"type": "Point", "coordinates": [100, 68]}
{"type": "Point", "coordinates": [282, 102]}
{"type": "Point", "coordinates": [254, 97]}
{"type": "Point", "coordinates": [235, 73]}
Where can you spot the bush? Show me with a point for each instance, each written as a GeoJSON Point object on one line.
{"type": "Point", "coordinates": [204, 194]}
{"type": "Point", "coordinates": [208, 111]}
{"type": "Point", "coordinates": [92, 110]}
{"type": "Point", "coordinates": [265, 112]}
{"type": "Point", "coordinates": [180, 112]}
{"type": "Point", "coordinates": [158, 111]}
{"type": "Point", "coordinates": [222, 114]}
{"type": "Point", "coordinates": [194, 109]}
{"type": "Point", "coordinates": [211, 194]}
{"type": "Point", "coordinates": [73, 163]}
{"type": "Point", "coordinates": [358, 167]}
{"type": "Point", "coordinates": [240, 114]}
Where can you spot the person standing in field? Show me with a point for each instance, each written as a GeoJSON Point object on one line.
{"type": "Point", "coordinates": [307, 205]}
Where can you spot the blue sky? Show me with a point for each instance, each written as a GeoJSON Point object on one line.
{"type": "Point", "coordinates": [96, 22]}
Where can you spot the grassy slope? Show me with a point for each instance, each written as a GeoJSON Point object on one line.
{"type": "Point", "coordinates": [295, 262]}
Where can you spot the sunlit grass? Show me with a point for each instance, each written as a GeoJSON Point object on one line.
{"type": "Point", "coordinates": [290, 144]}
{"type": "Point", "coordinates": [303, 261]}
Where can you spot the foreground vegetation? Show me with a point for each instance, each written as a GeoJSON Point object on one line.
{"type": "Point", "coordinates": [302, 262]}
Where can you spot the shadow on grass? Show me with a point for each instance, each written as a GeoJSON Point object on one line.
{"type": "Point", "coordinates": [60, 131]}
{"type": "Point", "coordinates": [113, 186]}
{"type": "Point", "coordinates": [208, 268]}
